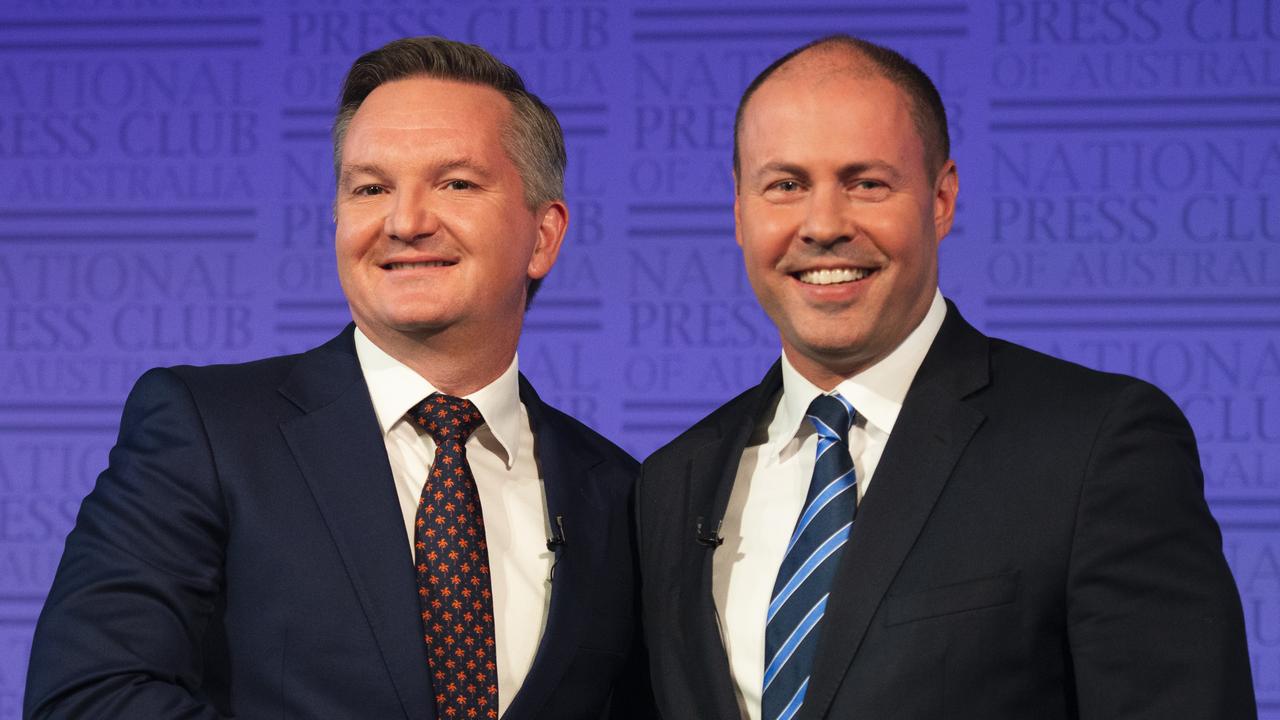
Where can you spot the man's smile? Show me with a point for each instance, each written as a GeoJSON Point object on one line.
{"type": "Point", "coordinates": [832, 276]}
{"type": "Point", "coordinates": [418, 264]}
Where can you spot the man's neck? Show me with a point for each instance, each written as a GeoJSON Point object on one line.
{"type": "Point", "coordinates": [825, 377]}
{"type": "Point", "coordinates": [452, 363]}
{"type": "Point", "coordinates": [828, 371]}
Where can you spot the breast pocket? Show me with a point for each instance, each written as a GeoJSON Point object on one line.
{"type": "Point", "coordinates": [965, 596]}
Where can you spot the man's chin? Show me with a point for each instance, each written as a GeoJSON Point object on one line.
{"type": "Point", "coordinates": [419, 326]}
{"type": "Point", "coordinates": [839, 352]}
{"type": "Point", "coordinates": [829, 340]}
{"type": "Point", "coordinates": [416, 326]}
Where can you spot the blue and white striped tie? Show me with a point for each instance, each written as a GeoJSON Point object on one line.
{"type": "Point", "coordinates": [804, 579]}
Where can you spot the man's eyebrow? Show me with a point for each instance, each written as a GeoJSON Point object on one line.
{"type": "Point", "coordinates": [782, 168]}
{"type": "Point", "coordinates": [463, 163]}
{"type": "Point", "coordinates": [460, 163]}
{"type": "Point", "coordinates": [853, 170]}
{"type": "Point", "coordinates": [360, 169]}
{"type": "Point", "coordinates": [845, 173]}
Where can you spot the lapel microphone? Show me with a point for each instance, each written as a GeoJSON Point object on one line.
{"type": "Point", "coordinates": [712, 540]}
{"type": "Point", "coordinates": [556, 544]}
{"type": "Point", "coordinates": [557, 535]}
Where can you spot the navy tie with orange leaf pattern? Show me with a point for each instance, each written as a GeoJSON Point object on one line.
{"type": "Point", "coordinates": [452, 561]}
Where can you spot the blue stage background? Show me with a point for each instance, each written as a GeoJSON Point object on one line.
{"type": "Point", "coordinates": [165, 190]}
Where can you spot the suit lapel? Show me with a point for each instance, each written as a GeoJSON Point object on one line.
{"type": "Point", "coordinates": [340, 451]}
{"type": "Point", "coordinates": [928, 439]}
{"type": "Point", "coordinates": [712, 472]}
{"type": "Point", "coordinates": [566, 467]}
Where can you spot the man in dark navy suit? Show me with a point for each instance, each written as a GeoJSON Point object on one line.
{"type": "Point", "coordinates": [369, 529]}
{"type": "Point", "coordinates": [907, 519]}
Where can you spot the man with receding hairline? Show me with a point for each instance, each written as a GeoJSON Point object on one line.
{"type": "Point", "coordinates": [391, 525]}
{"type": "Point", "coordinates": [906, 518]}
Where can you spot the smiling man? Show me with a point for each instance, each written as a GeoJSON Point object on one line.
{"type": "Point", "coordinates": [392, 525]}
{"type": "Point", "coordinates": [906, 518]}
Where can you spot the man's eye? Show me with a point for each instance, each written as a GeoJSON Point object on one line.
{"type": "Point", "coordinates": [370, 190]}
{"type": "Point", "coordinates": [868, 185]}
{"type": "Point", "coordinates": [787, 186]}
{"type": "Point", "coordinates": [459, 185]}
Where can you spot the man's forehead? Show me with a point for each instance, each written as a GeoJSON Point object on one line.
{"type": "Point", "coordinates": [421, 116]}
{"type": "Point", "coordinates": [807, 98]}
{"type": "Point", "coordinates": [827, 127]}
{"type": "Point", "coordinates": [422, 101]}
{"type": "Point", "coordinates": [816, 71]}
{"type": "Point", "coordinates": [830, 59]}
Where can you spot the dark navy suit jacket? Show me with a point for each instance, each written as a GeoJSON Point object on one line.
{"type": "Point", "coordinates": [244, 556]}
{"type": "Point", "coordinates": [1036, 545]}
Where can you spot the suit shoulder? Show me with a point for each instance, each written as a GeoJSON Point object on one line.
{"type": "Point", "coordinates": [239, 397]}
{"type": "Point", "coordinates": [577, 432]}
{"type": "Point", "coordinates": [232, 380]}
{"type": "Point", "coordinates": [1017, 362]}
{"type": "Point", "coordinates": [1034, 375]}
{"type": "Point", "coordinates": [707, 428]}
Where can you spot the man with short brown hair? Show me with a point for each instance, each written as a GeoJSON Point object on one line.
{"type": "Point", "coordinates": [392, 525]}
{"type": "Point", "coordinates": [906, 518]}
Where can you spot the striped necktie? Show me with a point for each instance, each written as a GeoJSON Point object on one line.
{"type": "Point", "coordinates": [804, 578]}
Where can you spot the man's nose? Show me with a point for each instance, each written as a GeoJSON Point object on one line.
{"type": "Point", "coordinates": [411, 215]}
{"type": "Point", "coordinates": [827, 219]}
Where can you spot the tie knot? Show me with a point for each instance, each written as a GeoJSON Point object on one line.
{"type": "Point", "coordinates": [832, 416]}
{"type": "Point", "coordinates": [445, 417]}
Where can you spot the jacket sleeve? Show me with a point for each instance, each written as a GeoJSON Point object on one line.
{"type": "Point", "coordinates": [122, 629]}
{"type": "Point", "coordinates": [1154, 617]}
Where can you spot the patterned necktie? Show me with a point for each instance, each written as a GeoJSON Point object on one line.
{"type": "Point", "coordinates": [452, 561]}
{"type": "Point", "coordinates": [804, 579]}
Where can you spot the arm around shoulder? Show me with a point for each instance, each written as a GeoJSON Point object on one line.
{"type": "Point", "coordinates": [1154, 616]}
{"type": "Point", "coordinates": [122, 631]}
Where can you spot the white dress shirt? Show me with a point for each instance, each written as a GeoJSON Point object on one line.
{"type": "Point", "coordinates": [502, 459]}
{"type": "Point", "coordinates": [773, 481]}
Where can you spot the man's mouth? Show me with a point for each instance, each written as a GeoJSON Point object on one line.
{"type": "Point", "coordinates": [412, 265]}
{"type": "Point", "coordinates": [832, 276]}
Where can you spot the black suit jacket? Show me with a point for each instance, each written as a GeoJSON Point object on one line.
{"type": "Point", "coordinates": [244, 555]}
{"type": "Point", "coordinates": [1035, 546]}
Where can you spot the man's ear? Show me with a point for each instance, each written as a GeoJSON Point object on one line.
{"type": "Point", "coordinates": [551, 229]}
{"type": "Point", "coordinates": [737, 214]}
{"type": "Point", "coordinates": [946, 188]}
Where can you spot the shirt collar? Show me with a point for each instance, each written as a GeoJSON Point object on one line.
{"type": "Point", "coordinates": [876, 393]}
{"type": "Point", "coordinates": [395, 388]}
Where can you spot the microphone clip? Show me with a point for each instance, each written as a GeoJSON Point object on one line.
{"type": "Point", "coordinates": [556, 544]}
{"type": "Point", "coordinates": [712, 540]}
{"type": "Point", "coordinates": [557, 535]}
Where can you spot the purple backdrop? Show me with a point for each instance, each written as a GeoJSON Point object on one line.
{"type": "Point", "coordinates": [165, 186]}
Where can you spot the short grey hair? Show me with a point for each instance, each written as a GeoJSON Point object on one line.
{"type": "Point", "coordinates": [533, 139]}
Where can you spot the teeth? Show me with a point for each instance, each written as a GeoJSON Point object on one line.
{"type": "Point", "coordinates": [831, 277]}
{"type": "Point", "coordinates": [405, 265]}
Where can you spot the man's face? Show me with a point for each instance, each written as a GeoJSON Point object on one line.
{"type": "Point", "coordinates": [838, 218]}
{"type": "Point", "coordinates": [433, 233]}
